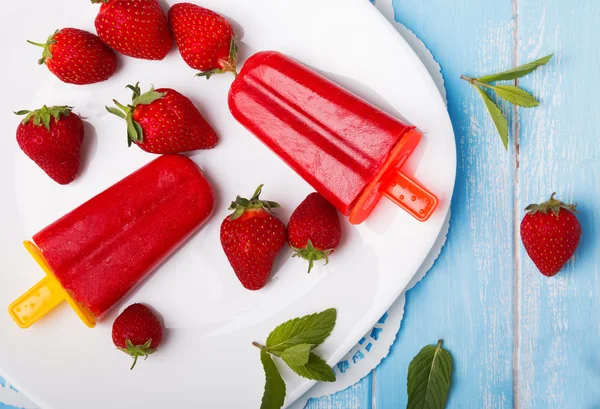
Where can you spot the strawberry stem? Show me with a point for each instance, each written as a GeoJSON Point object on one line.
{"type": "Point", "coordinates": [42, 116]}
{"type": "Point", "coordinates": [553, 205]}
{"type": "Point", "coordinates": [37, 44]}
{"type": "Point", "coordinates": [135, 133]}
{"type": "Point", "coordinates": [46, 53]}
{"type": "Point", "coordinates": [312, 254]}
{"type": "Point", "coordinates": [241, 204]}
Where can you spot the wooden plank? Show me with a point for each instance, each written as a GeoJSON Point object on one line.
{"type": "Point", "coordinates": [558, 357]}
{"type": "Point", "coordinates": [467, 298]}
{"type": "Point", "coordinates": [354, 397]}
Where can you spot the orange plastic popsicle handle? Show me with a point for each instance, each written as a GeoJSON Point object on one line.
{"type": "Point", "coordinates": [397, 187]}
{"type": "Point", "coordinates": [410, 196]}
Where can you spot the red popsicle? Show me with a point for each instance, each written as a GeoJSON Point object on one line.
{"type": "Point", "coordinates": [105, 247]}
{"type": "Point", "coordinates": [347, 149]}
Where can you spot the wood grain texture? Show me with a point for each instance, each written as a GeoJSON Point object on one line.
{"type": "Point", "coordinates": [466, 299]}
{"type": "Point", "coordinates": [358, 396]}
{"type": "Point", "coordinates": [558, 357]}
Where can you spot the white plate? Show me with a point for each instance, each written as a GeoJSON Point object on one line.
{"type": "Point", "coordinates": [207, 359]}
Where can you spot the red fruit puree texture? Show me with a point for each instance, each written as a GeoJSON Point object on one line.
{"type": "Point", "coordinates": [106, 246]}
{"type": "Point", "coordinates": [336, 141]}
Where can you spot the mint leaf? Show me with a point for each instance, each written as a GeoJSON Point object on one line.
{"type": "Point", "coordinates": [274, 395]}
{"type": "Point", "coordinates": [517, 72]}
{"type": "Point", "coordinates": [516, 95]}
{"type": "Point", "coordinates": [292, 341]}
{"type": "Point", "coordinates": [497, 116]}
{"type": "Point", "coordinates": [310, 329]}
{"type": "Point", "coordinates": [315, 369]}
{"type": "Point", "coordinates": [429, 376]}
{"type": "Point", "coordinates": [297, 355]}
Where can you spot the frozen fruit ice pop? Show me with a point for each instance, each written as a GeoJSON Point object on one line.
{"type": "Point", "coordinates": [349, 150]}
{"type": "Point", "coordinates": [101, 250]}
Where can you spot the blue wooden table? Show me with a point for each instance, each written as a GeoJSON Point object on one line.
{"type": "Point", "coordinates": [518, 339]}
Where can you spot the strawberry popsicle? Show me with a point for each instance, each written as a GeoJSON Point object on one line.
{"type": "Point", "coordinates": [98, 252]}
{"type": "Point", "coordinates": [347, 149]}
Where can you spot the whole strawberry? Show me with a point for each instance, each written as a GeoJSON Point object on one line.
{"type": "Point", "coordinates": [205, 39]}
{"type": "Point", "coordinates": [164, 121]}
{"type": "Point", "coordinates": [136, 28]}
{"type": "Point", "coordinates": [52, 138]}
{"type": "Point", "coordinates": [251, 238]}
{"type": "Point", "coordinates": [77, 57]}
{"type": "Point", "coordinates": [550, 232]}
{"type": "Point", "coordinates": [137, 332]}
{"type": "Point", "coordinates": [314, 230]}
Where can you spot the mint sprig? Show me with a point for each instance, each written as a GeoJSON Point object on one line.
{"type": "Point", "coordinates": [429, 378]}
{"type": "Point", "coordinates": [510, 93]}
{"type": "Point", "coordinates": [274, 395]}
{"type": "Point", "coordinates": [293, 342]}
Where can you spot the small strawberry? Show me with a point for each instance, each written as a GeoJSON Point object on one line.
{"type": "Point", "coordinates": [52, 138]}
{"type": "Point", "coordinates": [314, 230]}
{"type": "Point", "coordinates": [77, 57]}
{"type": "Point", "coordinates": [251, 238]}
{"type": "Point", "coordinates": [137, 332]}
{"type": "Point", "coordinates": [164, 121]}
{"type": "Point", "coordinates": [136, 28]}
{"type": "Point", "coordinates": [550, 232]}
{"type": "Point", "coordinates": [205, 39]}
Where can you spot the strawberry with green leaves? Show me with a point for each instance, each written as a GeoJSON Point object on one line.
{"type": "Point", "coordinates": [550, 233]}
{"type": "Point", "coordinates": [205, 39]}
{"type": "Point", "coordinates": [164, 121]}
{"type": "Point", "coordinates": [137, 332]}
{"type": "Point", "coordinates": [77, 57]}
{"type": "Point", "coordinates": [52, 138]}
{"type": "Point", "coordinates": [251, 238]}
{"type": "Point", "coordinates": [314, 229]}
{"type": "Point", "coordinates": [136, 28]}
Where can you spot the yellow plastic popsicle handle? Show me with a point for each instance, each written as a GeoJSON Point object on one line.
{"type": "Point", "coordinates": [36, 302]}
{"type": "Point", "coordinates": [44, 296]}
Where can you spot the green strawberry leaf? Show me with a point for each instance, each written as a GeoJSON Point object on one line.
{"type": "Point", "coordinates": [274, 394]}
{"type": "Point", "coordinates": [146, 98]}
{"type": "Point", "coordinates": [311, 329]}
{"type": "Point", "coordinates": [44, 114]}
{"type": "Point", "coordinates": [516, 96]}
{"type": "Point", "coordinates": [136, 351]}
{"type": "Point", "coordinates": [297, 355]}
{"type": "Point", "coordinates": [517, 72]}
{"type": "Point", "coordinates": [241, 204]}
{"type": "Point", "coordinates": [315, 369]}
{"type": "Point", "coordinates": [497, 116]}
{"type": "Point", "coordinates": [116, 112]}
{"type": "Point", "coordinates": [429, 378]}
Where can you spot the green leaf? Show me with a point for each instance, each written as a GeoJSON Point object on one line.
{"type": "Point", "coordinates": [429, 378]}
{"type": "Point", "coordinates": [136, 351]}
{"type": "Point", "coordinates": [297, 355]}
{"type": "Point", "coordinates": [497, 116]}
{"type": "Point", "coordinates": [516, 96]}
{"type": "Point", "coordinates": [517, 72]}
{"type": "Point", "coordinates": [139, 131]}
{"type": "Point", "coordinates": [148, 98]}
{"type": "Point", "coordinates": [274, 395]}
{"type": "Point", "coordinates": [315, 369]}
{"type": "Point", "coordinates": [310, 329]}
{"type": "Point", "coordinates": [136, 91]}
{"type": "Point", "coordinates": [116, 112]}
{"type": "Point", "coordinates": [208, 74]}
{"type": "Point", "coordinates": [132, 131]}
